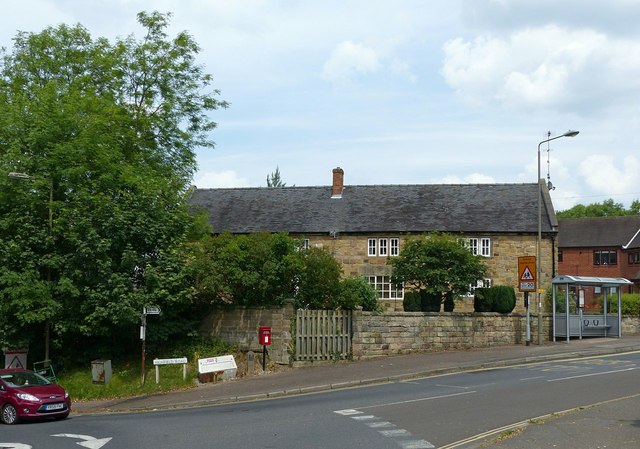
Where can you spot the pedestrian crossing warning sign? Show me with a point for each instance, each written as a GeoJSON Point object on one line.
{"type": "Point", "coordinates": [526, 274]}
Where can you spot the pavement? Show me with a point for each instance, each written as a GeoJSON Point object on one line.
{"type": "Point", "coordinates": [624, 414]}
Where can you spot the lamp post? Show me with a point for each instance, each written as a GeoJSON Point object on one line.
{"type": "Point", "coordinates": [569, 133]}
{"type": "Point", "coordinates": [16, 175]}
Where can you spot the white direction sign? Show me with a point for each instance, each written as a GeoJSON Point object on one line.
{"type": "Point", "coordinates": [88, 441]}
{"type": "Point", "coordinates": [152, 310]}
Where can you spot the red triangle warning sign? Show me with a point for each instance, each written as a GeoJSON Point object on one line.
{"type": "Point", "coordinates": [15, 363]}
{"type": "Point", "coordinates": [527, 275]}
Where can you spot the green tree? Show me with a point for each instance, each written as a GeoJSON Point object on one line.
{"type": "Point", "coordinates": [437, 265]}
{"type": "Point", "coordinates": [318, 281]}
{"type": "Point", "coordinates": [106, 133]}
{"type": "Point", "coordinates": [274, 179]}
{"type": "Point", "coordinates": [251, 270]}
{"type": "Point", "coordinates": [608, 208]}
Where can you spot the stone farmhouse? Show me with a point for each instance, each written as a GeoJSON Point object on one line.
{"type": "Point", "coordinates": [363, 226]}
{"type": "Point", "coordinates": [600, 247]}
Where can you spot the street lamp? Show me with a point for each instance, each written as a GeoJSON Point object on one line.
{"type": "Point", "coordinates": [17, 175]}
{"type": "Point", "coordinates": [569, 133]}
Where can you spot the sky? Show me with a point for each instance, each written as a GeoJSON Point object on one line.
{"type": "Point", "coordinates": [403, 91]}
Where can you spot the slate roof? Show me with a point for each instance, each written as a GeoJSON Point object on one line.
{"type": "Point", "coordinates": [599, 232]}
{"type": "Point", "coordinates": [468, 208]}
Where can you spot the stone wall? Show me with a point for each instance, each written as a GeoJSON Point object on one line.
{"type": "Point", "coordinates": [383, 334]}
{"type": "Point", "coordinates": [378, 335]}
{"type": "Point", "coordinates": [240, 326]}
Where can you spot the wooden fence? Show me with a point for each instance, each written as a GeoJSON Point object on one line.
{"type": "Point", "coordinates": [323, 334]}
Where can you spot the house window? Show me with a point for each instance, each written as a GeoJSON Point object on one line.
{"type": "Point", "coordinates": [605, 257]}
{"type": "Point", "coordinates": [395, 247]}
{"type": "Point", "coordinates": [634, 258]}
{"type": "Point", "coordinates": [479, 246]}
{"type": "Point", "coordinates": [481, 283]}
{"type": "Point", "coordinates": [382, 247]}
{"type": "Point", "coordinates": [305, 244]}
{"type": "Point", "coordinates": [560, 255]}
{"type": "Point", "coordinates": [385, 289]}
{"type": "Point", "coordinates": [372, 247]}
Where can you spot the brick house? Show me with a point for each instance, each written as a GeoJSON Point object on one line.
{"type": "Point", "coordinates": [601, 247]}
{"type": "Point", "coordinates": [365, 225]}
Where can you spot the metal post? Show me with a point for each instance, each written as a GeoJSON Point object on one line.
{"type": "Point", "coordinates": [539, 245]}
{"type": "Point", "coordinates": [526, 303]}
{"type": "Point", "coordinates": [143, 331]}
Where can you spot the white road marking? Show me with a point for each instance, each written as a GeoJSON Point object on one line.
{"type": "Point", "coordinates": [430, 398]}
{"type": "Point", "coordinates": [591, 374]}
{"type": "Point", "coordinates": [401, 436]}
{"type": "Point", "coordinates": [89, 441]}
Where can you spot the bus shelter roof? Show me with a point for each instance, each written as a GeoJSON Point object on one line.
{"type": "Point", "coordinates": [591, 280]}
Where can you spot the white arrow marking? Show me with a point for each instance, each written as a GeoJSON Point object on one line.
{"type": "Point", "coordinates": [89, 441]}
{"type": "Point", "coordinates": [14, 446]}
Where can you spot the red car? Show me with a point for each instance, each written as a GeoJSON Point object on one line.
{"type": "Point", "coordinates": [26, 395]}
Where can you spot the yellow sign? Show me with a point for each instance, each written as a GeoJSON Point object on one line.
{"type": "Point", "coordinates": [527, 273]}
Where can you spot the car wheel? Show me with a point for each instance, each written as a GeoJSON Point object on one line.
{"type": "Point", "coordinates": [9, 414]}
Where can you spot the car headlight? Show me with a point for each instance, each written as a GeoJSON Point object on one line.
{"type": "Point", "coordinates": [27, 397]}
{"type": "Point", "coordinates": [66, 395]}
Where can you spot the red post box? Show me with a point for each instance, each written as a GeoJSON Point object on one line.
{"type": "Point", "coordinates": [265, 335]}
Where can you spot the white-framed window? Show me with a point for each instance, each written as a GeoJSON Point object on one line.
{"type": "Point", "coordinates": [485, 247]}
{"type": "Point", "coordinates": [305, 244]}
{"type": "Point", "coordinates": [395, 247]}
{"type": "Point", "coordinates": [372, 244]}
{"type": "Point", "coordinates": [481, 283]}
{"type": "Point", "coordinates": [479, 246]}
{"type": "Point", "coordinates": [385, 289]}
{"type": "Point", "coordinates": [383, 248]}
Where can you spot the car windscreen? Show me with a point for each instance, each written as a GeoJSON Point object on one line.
{"type": "Point", "coordinates": [24, 379]}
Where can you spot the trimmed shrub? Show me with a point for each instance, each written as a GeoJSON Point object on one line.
{"type": "Point", "coordinates": [411, 302]}
{"type": "Point", "coordinates": [449, 303]}
{"type": "Point", "coordinates": [421, 301]}
{"type": "Point", "coordinates": [504, 299]}
{"type": "Point", "coordinates": [430, 302]}
{"type": "Point", "coordinates": [483, 300]}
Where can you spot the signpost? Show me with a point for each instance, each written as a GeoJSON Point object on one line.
{"type": "Point", "coordinates": [527, 283]}
{"type": "Point", "coordinates": [143, 330]}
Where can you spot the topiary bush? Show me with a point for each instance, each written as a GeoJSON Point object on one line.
{"type": "Point", "coordinates": [421, 301]}
{"type": "Point", "coordinates": [411, 302]}
{"type": "Point", "coordinates": [504, 299]}
{"type": "Point", "coordinates": [430, 302]}
{"type": "Point", "coordinates": [483, 300]}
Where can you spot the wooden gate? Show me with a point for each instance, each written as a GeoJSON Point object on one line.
{"type": "Point", "coordinates": [323, 334]}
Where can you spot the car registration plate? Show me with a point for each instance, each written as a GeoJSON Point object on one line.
{"type": "Point", "coordinates": [50, 407]}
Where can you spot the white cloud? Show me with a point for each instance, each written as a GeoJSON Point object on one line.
{"type": "Point", "coordinates": [211, 179]}
{"type": "Point", "coordinates": [545, 68]}
{"type": "Point", "coordinates": [603, 175]}
{"type": "Point", "coordinates": [349, 59]}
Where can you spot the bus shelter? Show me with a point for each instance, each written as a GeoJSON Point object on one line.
{"type": "Point", "coordinates": [582, 306]}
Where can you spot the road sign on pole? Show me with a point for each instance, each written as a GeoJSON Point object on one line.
{"type": "Point", "coordinates": [527, 274]}
{"type": "Point", "coordinates": [152, 311]}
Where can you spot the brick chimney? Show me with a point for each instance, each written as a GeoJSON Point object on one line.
{"type": "Point", "coordinates": [338, 183]}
